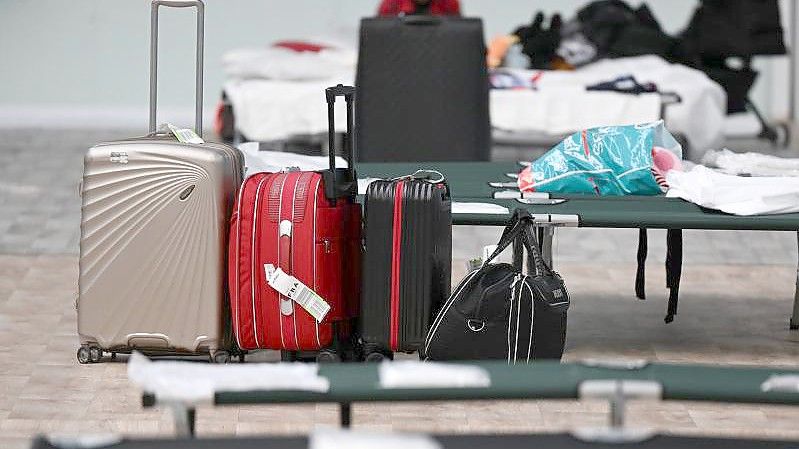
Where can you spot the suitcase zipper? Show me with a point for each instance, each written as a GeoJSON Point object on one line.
{"type": "Point", "coordinates": [256, 238]}
{"type": "Point", "coordinates": [396, 258]}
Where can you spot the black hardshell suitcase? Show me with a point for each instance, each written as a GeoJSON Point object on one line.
{"type": "Point", "coordinates": [422, 90]}
{"type": "Point", "coordinates": [406, 263]}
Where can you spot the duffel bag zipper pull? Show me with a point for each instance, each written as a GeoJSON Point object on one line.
{"type": "Point", "coordinates": [516, 280]}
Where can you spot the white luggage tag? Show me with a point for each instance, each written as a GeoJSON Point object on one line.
{"type": "Point", "coordinates": [185, 135]}
{"type": "Point", "coordinates": [514, 194]}
{"type": "Point", "coordinates": [292, 288]}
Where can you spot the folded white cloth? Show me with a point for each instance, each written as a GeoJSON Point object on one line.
{"type": "Point", "coordinates": [273, 107]}
{"type": "Point", "coordinates": [701, 96]}
{"type": "Point", "coordinates": [327, 438]}
{"type": "Point", "coordinates": [268, 109]}
{"type": "Point", "coordinates": [735, 194]}
{"type": "Point", "coordinates": [412, 374]}
{"type": "Point", "coordinates": [560, 110]}
{"type": "Point", "coordinates": [285, 64]}
{"type": "Point", "coordinates": [191, 383]}
{"type": "Point", "coordinates": [478, 208]}
{"type": "Point", "coordinates": [755, 164]}
{"type": "Point", "coordinates": [274, 161]}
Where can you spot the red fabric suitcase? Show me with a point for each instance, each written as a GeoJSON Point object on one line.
{"type": "Point", "coordinates": [309, 225]}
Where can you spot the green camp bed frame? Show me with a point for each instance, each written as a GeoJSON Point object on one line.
{"type": "Point", "coordinates": [613, 381]}
{"type": "Point", "coordinates": [470, 182]}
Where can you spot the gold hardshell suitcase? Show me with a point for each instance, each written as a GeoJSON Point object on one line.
{"type": "Point", "coordinates": [154, 229]}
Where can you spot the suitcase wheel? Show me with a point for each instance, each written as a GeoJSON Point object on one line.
{"type": "Point", "coordinates": [376, 354]}
{"type": "Point", "coordinates": [95, 354]}
{"type": "Point", "coordinates": [83, 355]}
{"type": "Point", "coordinates": [375, 357]}
{"type": "Point", "coordinates": [327, 356]}
{"type": "Point", "coordinates": [89, 354]}
{"type": "Point", "coordinates": [220, 357]}
{"type": "Point", "coordinates": [288, 356]}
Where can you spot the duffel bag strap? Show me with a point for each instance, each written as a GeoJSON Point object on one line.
{"type": "Point", "coordinates": [536, 266]}
{"type": "Point", "coordinates": [512, 230]}
{"type": "Point", "coordinates": [518, 253]}
{"type": "Point", "coordinates": [673, 270]}
{"type": "Point", "coordinates": [640, 272]}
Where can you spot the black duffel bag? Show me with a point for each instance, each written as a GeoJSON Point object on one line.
{"type": "Point", "coordinates": [498, 312]}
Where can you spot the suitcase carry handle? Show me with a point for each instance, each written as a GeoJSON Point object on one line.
{"type": "Point", "coordinates": [434, 177]}
{"type": "Point", "coordinates": [198, 101]}
{"type": "Point", "coordinates": [413, 19]}
{"type": "Point", "coordinates": [339, 187]}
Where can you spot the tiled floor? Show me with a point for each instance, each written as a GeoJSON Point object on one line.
{"type": "Point", "coordinates": [736, 297]}
{"type": "Point", "coordinates": [732, 314]}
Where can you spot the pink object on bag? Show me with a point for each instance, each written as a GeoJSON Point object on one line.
{"type": "Point", "coordinates": [525, 180]}
{"type": "Point", "coordinates": [663, 161]}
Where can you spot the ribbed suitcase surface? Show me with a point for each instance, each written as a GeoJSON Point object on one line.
{"type": "Point", "coordinates": [153, 234]}
{"type": "Point", "coordinates": [284, 219]}
{"type": "Point", "coordinates": [407, 262]}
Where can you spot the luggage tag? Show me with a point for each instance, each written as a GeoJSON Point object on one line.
{"type": "Point", "coordinates": [185, 135]}
{"type": "Point", "coordinates": [292, 288]}
{"type": "Point", "coordinates": [541, 201]}
{"type": "Point", "coordinates": [513, 194]}
{"type": "Point", "coordinates": [504, 185]}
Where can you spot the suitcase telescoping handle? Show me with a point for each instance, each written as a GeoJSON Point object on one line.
{"type": "Point", "coordinates": [198, 101]}
{"type": "Point", "coordinates": [342, 187]}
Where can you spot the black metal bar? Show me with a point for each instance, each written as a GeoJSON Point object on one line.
{"type": "Point", "coordinates": [331, 133]}
{"type": "Point", "coordinates": [792, 63]}
{"type": "Point", "coordinates": [349, 145]}
{"type": "Point", "coordinates": [345, 414]}
{"type": "Point", "coordinates": [794, 322]}
{"type": "Point", "coordinates": [191, 419]}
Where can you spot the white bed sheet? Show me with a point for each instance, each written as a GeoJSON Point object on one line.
{"type": "Point", "coordinates": [269, 109]}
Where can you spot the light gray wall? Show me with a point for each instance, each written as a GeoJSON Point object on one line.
{"type": "Point", "coordinates": [84, 60]}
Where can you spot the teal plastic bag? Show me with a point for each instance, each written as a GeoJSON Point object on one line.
{"type": "Point", "coordinates": [609, 160]}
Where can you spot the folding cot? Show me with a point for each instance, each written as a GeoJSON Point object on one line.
{"type": "Point", "coordinates": [470, 182]}
{"type": "Point", "coordinates": [509, 441]}
{"type": "Point", "coordinates": [615, 382]}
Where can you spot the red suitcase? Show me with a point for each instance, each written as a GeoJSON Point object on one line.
{"type": "Point", "coordinates": [309, 225]}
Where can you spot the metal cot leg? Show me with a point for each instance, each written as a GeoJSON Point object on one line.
{"type": "Point", "coordinates": [546, 244]}
{"type": "Point", "coordinates": [185, 418]}
{"type": "Point", "coordinates": [794, 324]}
{"type": "Point", "coordinates": [346, 414]}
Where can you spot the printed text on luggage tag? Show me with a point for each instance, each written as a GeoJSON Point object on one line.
{"type": "Point", "coordinates": [185, 135]}
{"type": "Point", "coordinates": [291, 287]}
